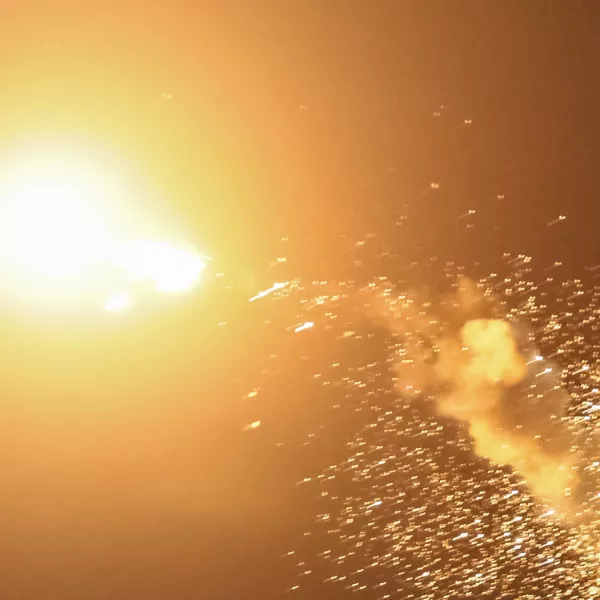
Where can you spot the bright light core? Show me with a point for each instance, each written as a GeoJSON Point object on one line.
{"type": "Point", "coordinates": [59, 229]}
{"type": "Point", "coordinates": [50, 223]}
{"type": "Point", "coordinates": [170, 268]}
{"type": "Point", "coordinates": [119, 302]}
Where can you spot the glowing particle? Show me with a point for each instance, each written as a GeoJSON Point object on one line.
{"type": "Point", "coordinates": [304, 326]}
{"type": "Point", "coordinates": [253, 425]}
{"type": "Point", "coordinates": [273, 288]}
{"type": "Point", "coordinates": [558, 220]}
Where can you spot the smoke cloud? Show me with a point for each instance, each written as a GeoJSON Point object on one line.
{"type": "Point", "coordinates": [484, 371]}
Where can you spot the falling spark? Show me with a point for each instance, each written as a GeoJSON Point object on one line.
{"type": "Point", "coordinates": [253, 425]}
{"type": "Point", "coordinates": [273, 288]}
{"type": "Point", "coordinates": [304, 326]}
{"type": "Point", "coordinates": [538, 358]}
{"type": "Point", "coordinates": [555, 221]}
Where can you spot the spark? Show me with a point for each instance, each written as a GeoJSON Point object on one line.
{"type": "Point", "coordinates": [273, 288]}
{"type": "Point", "coordinates": [538, 358]}
{"type": "Point", "coordinates": [556, 221]}
{"type": "Point", "coordinates": [253, 425]}
{"type": "Point", "coordinates": [304, 326]}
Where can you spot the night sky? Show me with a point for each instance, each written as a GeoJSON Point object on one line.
{"type": "Point", "coordinates": [430, 131]}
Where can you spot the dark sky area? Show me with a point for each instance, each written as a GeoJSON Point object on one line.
{"type": "Point", "coordinates": [309, 120]}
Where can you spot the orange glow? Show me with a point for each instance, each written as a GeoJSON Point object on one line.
{"type": "Point", "coordinates": [138, 121]}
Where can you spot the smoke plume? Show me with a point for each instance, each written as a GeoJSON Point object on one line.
{"type": "Point", "coordinates": [482, 373]}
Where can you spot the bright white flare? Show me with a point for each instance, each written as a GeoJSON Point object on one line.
{"type": "Point", "coordinates": [170, 268]}
{"type": "Point", "coordinates": [119, 302]}
{"type": "Point", "coordinates": [50, 221]}
{"type": "Point", "coordinates": [60, 233]}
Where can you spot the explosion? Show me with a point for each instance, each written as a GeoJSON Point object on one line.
{"type": "Point", "coordinates": [68, 226]}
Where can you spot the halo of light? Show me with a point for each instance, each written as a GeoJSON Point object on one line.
{"type": "Point", "coordinates": [171, 268]}
{"type": "Point", "coordinates": [118, 302]}
{"type": "Point", "coordinates": [68, 228]}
